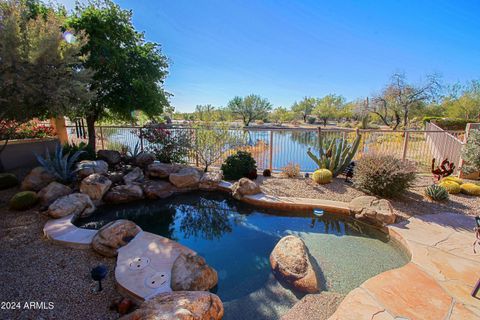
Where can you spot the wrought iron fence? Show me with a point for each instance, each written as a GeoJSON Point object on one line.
{"type": "Point", "coordinates": [274, 148]}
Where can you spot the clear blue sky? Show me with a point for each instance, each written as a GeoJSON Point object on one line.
{"type": "Point", "coordinates": [285, 50]}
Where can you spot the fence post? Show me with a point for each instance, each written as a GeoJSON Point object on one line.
{"type": "Point", "coordinates": [141, 139]}
{"type": "Point", "coordinates": [405, 145]}
{"type": "Point", "coordinates": [271, 150]}
{"type": "Point", "coordinates": [101, 137]}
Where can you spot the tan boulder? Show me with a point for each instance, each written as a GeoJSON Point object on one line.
{"type": "Point", "coordinates": [290, 263]}
{"type": "Point", "coordinates": [124, 194]}
{"type": "Point", "coordinates": [114, 235]}
{"type": "Point", "coordinates": [52, 192]}
{"type": "Point", "coordinates": [210, 180]}
{"type": "Point", "coordinates": [190, 272]}
{"type": "Point", "coordinates": [185, 178]}
{"type": "Point", "coordinates": [88, 167]}
{"type": "Point", "coordinates": [78, 204]}
{"type": "Point", "coordinates": [37, 179]}
{"type": "Point", "coordinates": [144, 159]}
{"type": "Point", "coordinates": [95, 185]}
{"type": "Point", "coordinates": [158, 189]}
{"type": "Point", "coordinates": [180, 305]}
{"type": "Point", "coordinates": [377, 211]}
{"type": "Point", "coordinates": [135, 175]}
{"type": "Point", "coordinates": [244, 187]}
{"type": "Point", "coordinates": [162, 170]}
{"type": "Point", "coordinates": [112, 157]}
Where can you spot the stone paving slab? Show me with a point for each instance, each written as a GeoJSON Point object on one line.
{"type": "Point", "coordinates": [436, 284]}
{"type": "Point", "coordinates": [62, 231]}
{"type": "Point", "coordinates": [144, 265]}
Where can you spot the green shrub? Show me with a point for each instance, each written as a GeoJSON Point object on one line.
{"type": "Point", "coordinates": [238, 165]}
{"type": "Point", "coordinates": [322, 176]}
{"type": "Point", "coordinates": [23, 200]}
{"type": "Point", "coordinates": [383, 175]}
{"type": "Point", "coordinates": [87, 154]}
{"type": "Point", "coordinates": [448, 123]}
{"type": "Point", "coordinates": [311, 120]}
{"type": "Point", "coordinates": [436, 192]}
{"type": "Point", "coordinates": [168, 146]}
{"type": "Point", "coordinates": [471, 152]}
{"type": "Point", "coordinates": [7, 180]}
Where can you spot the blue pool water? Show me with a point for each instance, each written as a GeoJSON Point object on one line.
{"type": "Point", "coordinates": [237, 239]}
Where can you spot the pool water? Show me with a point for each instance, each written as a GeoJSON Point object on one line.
{"type": "Point", "coordinates": [236, 239]}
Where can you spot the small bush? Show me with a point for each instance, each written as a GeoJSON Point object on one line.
{"type": "Point", "coordinates": [322, 176]}
{"type": "Point", "coordinates": [168, 146]}
{"type": "Point", "coordinates": [311, 120]}
{"type": "Point", "coordinates": [267, 173]}
{"type": "Point", "coordinates": [470, 189]}
{"type": "Point", "coordinates": [8, 180]}
{"type": "Point", "coordinates": [452, 187]}
{"type": "Point", "coordinates": [239, 165]}
{"type": "Point", "coordinates": [448, 123]}
{"type": "Point", "coordinates": [383, 175]}
{"type": "Point", "coordinates": [471, 152]}
{"type": "Point", "coordinates": [291, 170]}
{"type": "Point", "coordinates": [436, 192]}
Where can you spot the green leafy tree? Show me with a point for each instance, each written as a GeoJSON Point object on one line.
{"type": "Point", "coordinates": [205, 112]}
{"type": "Point", "coordinates": [466, 103]}
{"type": "Point", "coordinates": [129, 72]}
{"type": "Point", "coordinates": [249, 108]}
{"type": "Point", "coordinates": [305, 107]}
{"type": "Point", "coordinates": [328, 107]}
{"type": "Point", "coordinates": [41, 72]}
{"type": "Point", "coordinates": [471, 152]}
{"type": "Point", "coordinates": [281, 115]}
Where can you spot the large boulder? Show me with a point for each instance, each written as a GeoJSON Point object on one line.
{"type": "Point", "coordinates": [210, 180]}
{"type": "Point", "coordinates": [291, 264]}
{"type": "Point", "coordinates": [37, 179]}
{"type": "Point", "coordinates": [136, 175]}
{"type": "Point", "coordinates": [116, 177]}
{"type": "Point", "coordinates": [52, 192]}
{"type": "Point", "coordinates": [8, 180]}
{"type": "Point", "coordinates": [114, 235]}
{"type": "Point", "coordinates": [78, 204]}
{"type": "Point", "coordinates": [124, 194]}
{"type": "Point", "coordinates": [180, 305]}
{"type": "Point", "coordinates": [23, 200]}
{"type": "Point", "coordinates": [88, 167]}
{"type": "Point", "coordinates": [144, 159]}
{"type": "Point", "coordinates": [244, 187]}
{"type": "Point", "coordinates": [112, 157]}
{"type": "Point", "coordinates": [158, 189]}
{"type": "Point", "coordinates": [377, 211]}
{"type": "Point", "coordinates": [162, 170]}
{"type": "Point", "coordinates": [190, 272]}
{"type": "Point", "coordinates": [185, 178]}
{"type": "Point", "coordinates": [95, 185]}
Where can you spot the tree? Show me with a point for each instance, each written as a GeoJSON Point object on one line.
{"type": "Point", "coordinates": [328, 107]}
{"type": "Point", "coordinates": [304, 107]}
{"type": "Point", "coordinates": [212, 141]}
{"type": "Point", "coordinates": [464, 104]}
{"type": "Point", "coordinates": [129, 72]}
{"type": "Point", "coordinates": [281, 115]}
{"type": "Point", "coordinates": [41, 73]}
{"type": "Point", "coordinates": [249, 108]}
{"type": "Point", "coordinates": [204, 112]}
{"type": "Point", "coordinates": [398, 98]}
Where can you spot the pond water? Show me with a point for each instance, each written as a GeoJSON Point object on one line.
{"type": "Point", "coordinates": [236, 239]}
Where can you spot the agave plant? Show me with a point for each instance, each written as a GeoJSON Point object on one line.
{"type": "Point", "coordinates": [60, 165]}
{"type": "Point", "coordinates": [335, 154]}
{"type": "Point", "coordinates": [436, 192]}
{"type": "Point", "coordinates": [133, 153]}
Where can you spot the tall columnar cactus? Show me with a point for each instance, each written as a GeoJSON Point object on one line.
{"type": "Point", "coordinates": [335, 154]}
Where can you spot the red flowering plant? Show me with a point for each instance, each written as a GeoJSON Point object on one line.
{"type": "Point", "coordinates": [10, 130]}
{"type": "Point", "coordinates": [169, 146]}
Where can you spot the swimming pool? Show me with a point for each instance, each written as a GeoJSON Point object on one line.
{"type": "Point", "coordinates": [236, 239]}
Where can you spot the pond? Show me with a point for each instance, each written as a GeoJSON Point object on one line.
{"type": "Point", "coordinates": [236, 239]}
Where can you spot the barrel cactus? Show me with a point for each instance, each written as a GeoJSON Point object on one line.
{"type": "Point", "coordinates": [470, 189]}
{"type": "Point", "coordinates": [322, 176]}
{"type": "Point", "coordinates": [436, 192]}
{"type": "Point", "coordinates": [452, 187]}
{"type": "Point", "coordinates": [23, 200]}
{"type": "Point", "coordinates": [454, 179]}
{"type": "Point", "coordinates": [335, 154]}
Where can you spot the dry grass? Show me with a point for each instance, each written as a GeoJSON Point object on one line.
{"type": "Point", "coordinates": [411, 203]}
